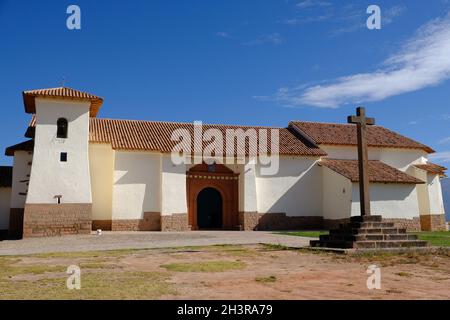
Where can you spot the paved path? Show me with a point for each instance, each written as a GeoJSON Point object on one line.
{"type": "Point", "coordinates": [144, 240]}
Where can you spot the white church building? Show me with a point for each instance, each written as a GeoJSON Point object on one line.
{"type": "Point", "coordinates": [79, 173]}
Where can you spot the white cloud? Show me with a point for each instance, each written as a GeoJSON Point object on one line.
{"type": "Point", "coordinates": [356, 19]}
{"type": "Point", "coordinates": [422, 61]}
{"type": "Point", "coordinates": [300, 21]}
{"type": "Point", "coordinates": [444, 141]}
{"type": "Point", "coordinates": [443, 157]}
{"type": "Point", "coordinates": [312, 3]}
{"type": "Point", "coordinates": [273, 38]}
{"type": "Point", "coordinates": [391, 13]}
{"type": "Point", "coordinates": [222, 34]}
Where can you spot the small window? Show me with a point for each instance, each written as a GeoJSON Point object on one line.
{"type": "Point", "coordinates": [63, 157]}
{"type": "Point", "coordinates": [63, 128]}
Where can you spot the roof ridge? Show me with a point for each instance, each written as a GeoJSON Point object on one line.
{"type": "Point", "coordinates": [191, 123]}
{"type": "Point", "coordinates": [334, 123]}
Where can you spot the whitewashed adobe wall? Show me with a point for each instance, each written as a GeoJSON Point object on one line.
{"type": "Point", "coordinates": [21, 170]}
{"type": "Point", "coordinates": [389, 200]}
{"type": "Point", "coordinates": [137, 184]}
{"type": "Point", "coordinates": [295, 190]}
{"type": "Point", "coordinates": [5, 198]}
{"type": "Point", "coordinates": [101, 163]}
{"type": "Point", "coordinates": [50, 176]}
{"type": "Point", "coordinates": [435, 194]}
{"type": "Point", "coordinates": [423, 194]}
{"type": "Point", "coordinates": [397, 158]}
{"type": "Point", "coordinates": [173, 187]}
{"type": "Point", "coordinates": [337, 195]}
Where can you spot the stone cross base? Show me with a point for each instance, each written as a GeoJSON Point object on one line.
{"type": "Point", "coordinates": [368, 232]}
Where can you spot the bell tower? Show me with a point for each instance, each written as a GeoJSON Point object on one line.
{"type": "Point", "coordinates": [59, 199]}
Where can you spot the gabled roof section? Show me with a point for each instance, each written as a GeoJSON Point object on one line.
{"type": "Point", "coordinates": [6, 177]}
{"type": "Point", "coordinates": [150, 135]}
{"type": "Point", "coordinates": [432, 168]}
{"type": "Point", "coordinates": [23, 146]}
{"type": "Point", "coordinates": [62, 93]}
{"type": "Point", "coordinates": [138, 135]}
{"type": "Point", "coordinates": [379, 172]}
{"type": "Point", "coordinates": [345, 135]}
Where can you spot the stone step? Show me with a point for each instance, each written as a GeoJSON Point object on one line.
{"type": "Point", "coordinates": [354, 231]}
{"type": "Point", "coordinates": [367, 225]}
{"type": "Point", "coordinates": [331, 244]}
{"type": "Point", "coordinates": [366, 219]}
{"type": "Point", "coordinates": [389, 244]}
{"type": "Point", "coordinates": [367, 237]}
{"type": "Point", "coordinates": [369, 244]}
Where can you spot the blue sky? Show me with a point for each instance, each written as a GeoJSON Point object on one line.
{"type": "Point", "coordinates": [235, 61]}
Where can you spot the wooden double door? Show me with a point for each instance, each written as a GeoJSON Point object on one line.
{"type": "Point", "coordinates": [213, 197]}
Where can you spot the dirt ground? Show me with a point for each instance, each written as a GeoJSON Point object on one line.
{"type": "Point", "coordinates": [225, 272]}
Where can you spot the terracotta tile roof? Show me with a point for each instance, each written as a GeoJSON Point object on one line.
{"type": "Point", "coordinates": [61, 92]}
{"type": "Point", "coordinates": [6, 177]}
{"type": "Point", "coordinates": [379, 172]}
{"type": "Point", "coordinates": [149, 135]}
{"type": "Point", "coordinates": [24, 146]}
{"type": "Point", "coordinates": [432, 168]}
{"type": "Point", "coordinates": [156, 136]}
{"type": "Point", "coordinates": [345, 134]}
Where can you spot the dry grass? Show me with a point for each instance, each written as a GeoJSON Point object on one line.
{"type": "Point", "coordinates": [209, 266]}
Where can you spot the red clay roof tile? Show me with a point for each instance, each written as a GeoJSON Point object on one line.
{"type": "Point", "coordinates": [432, 168]}
{"type": "Point", "coordinates": [61, 92]}
{"type": "Point", "coordinates": [379, 172]}
{"type": "Point", "coordinates": [345, 135]}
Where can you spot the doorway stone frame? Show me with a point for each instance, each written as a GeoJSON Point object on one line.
{"type": "Point", "coordinates": [223, 180]}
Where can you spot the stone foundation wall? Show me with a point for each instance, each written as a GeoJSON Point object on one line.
{"type": "Point", "coordinates": [277, 221]}
{"type": "Point", "coordinates": [408, 224]}
{"type": "Point", "coordinates": [175, 222]}
{"type": "Point", "coordinates": [104, 225]}
{"type": "Point", "coordinates": [47, 220]}
{"type": "Point", "coordinates": [433, 222]}
{"type": "Point", "coordinates": [15, 230]}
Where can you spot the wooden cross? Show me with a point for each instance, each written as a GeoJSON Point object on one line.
{"type": "Point", "coordinates": [363, 159]}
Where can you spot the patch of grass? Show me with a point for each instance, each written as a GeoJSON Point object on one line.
{"type": "Point", "coordinates": [274, 247]}
{"type": "Point", "coordinates": [266, 279]}
{"type": "Point", "coordinates": [98, 265]}
{"type": "Point", "coordinates": [12, 267]}
{"type": "Point", "coordinates": [436, 238]}
{"type": "Point", "coordinates": [209, 266]}
{"type": "Point", "coordinates": [393, 291]}
{"type": "Point", "coordinates": [404, 274]}
{"type": "Point", "coordinates": [98, 286]}
{"type": "Point", "coordinates": [308, 234]}
{"type": "Point", "coordinates": [88, 254]}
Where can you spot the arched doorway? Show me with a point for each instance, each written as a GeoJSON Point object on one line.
{"type": "Point", "coordinates": [209, 209]}
{"type": "Point", "coordinates": [224, 184]}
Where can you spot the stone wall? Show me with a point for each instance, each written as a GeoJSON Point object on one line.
{"type": "Point", "coordinates": [47, 220]}
{"type": "Point", "coordinates": [150, 222]}
{"type": "Point", "coordinates": [433, 222]}
{"type": "Point", "coordinates": [408, 224]}
{"type": "Point", "coordinates": [175, 222]}
{"type": "Point", "coordinates": [277, 221]}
